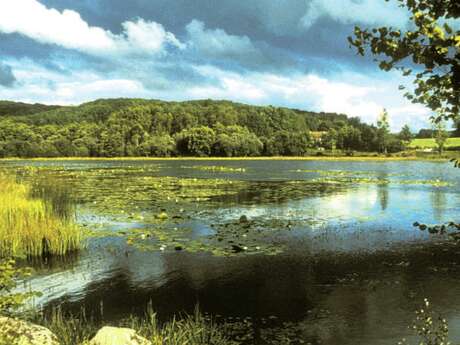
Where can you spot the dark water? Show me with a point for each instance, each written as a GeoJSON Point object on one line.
{"type": "Point", "coordinates": [352, 271]}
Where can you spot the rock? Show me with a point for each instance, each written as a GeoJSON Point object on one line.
{"type": "Point", "coordinates": [237, 249]}
{"type": "Point", "coordinates": [14, 331]}
{"type": "Point", "coordinates": [244, 219]}
{"type": "Point", "coordinates": [118, 336]}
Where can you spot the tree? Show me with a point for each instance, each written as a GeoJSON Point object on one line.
{"type": "Point", "coordinates": [430, 44]}
{"type": "Point", "coordinates": [457, 128]}
{"type": "Point", "coordinates": [136, 127]}
{"type": "Point", "coordinates": [197, 141]}
{"type": "Point", "coordinates": [349, 138]}
{"type": "Point", "coordinates": [236, 141]}
{"type": "Point", "coordinates": [158, 146]}
{"type": "Point", "coordinates": [405, 135]}
{"type": "Point", "coordinates": [286, 143]}
{"type": "Point", "coordinates": [425, 133]}
{"type": "Point", "coordinates": [441, 136]}
{"type": "Point", "coordinates": [329, 140]}
{"type": "Point", "coordinates": [383, 131]}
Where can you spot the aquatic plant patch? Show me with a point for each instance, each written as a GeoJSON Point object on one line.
{"type": "Point", "coordinates": [30, 227]}
{"type": "Point", "coordinates": [217, 168]}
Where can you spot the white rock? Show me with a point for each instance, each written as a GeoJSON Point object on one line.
{"type": "Point", "coordinates": [118, 336]}
{"type": "Point", "coordinates": [14, 332]}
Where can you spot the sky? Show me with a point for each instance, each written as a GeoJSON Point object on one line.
{"type": "Point", "coordinates": [291, 53]}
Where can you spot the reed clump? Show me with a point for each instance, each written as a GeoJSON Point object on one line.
{"type": "Point", "coordinates": [194, 329]}
{"type": "Point", "coordinates": [29, 226]}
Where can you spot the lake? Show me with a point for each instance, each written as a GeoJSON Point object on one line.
{"type": "Point", "coordinates": [323, 252]}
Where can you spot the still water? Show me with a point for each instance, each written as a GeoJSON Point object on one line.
{"type": "Point", "coordinates": [325, 251]}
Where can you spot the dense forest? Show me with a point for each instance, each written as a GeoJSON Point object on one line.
{"type": "Point", "coordinates": [137, 127]}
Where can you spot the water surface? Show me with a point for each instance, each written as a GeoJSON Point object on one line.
{"type": "Point", "coordinates": [328, 253]}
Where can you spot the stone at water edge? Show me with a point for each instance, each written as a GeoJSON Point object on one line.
{"type": "Point", "coordinates": [118, 336]}
{"type": "Point", "coordinates": [244, 219]}
{"type": "Point", "coordinates": [25, 333]}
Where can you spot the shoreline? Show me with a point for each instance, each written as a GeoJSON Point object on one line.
{"type": "Point", "coordinates": [277, 158]}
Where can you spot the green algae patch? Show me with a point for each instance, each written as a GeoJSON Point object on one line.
{"type": "Point", "coordinates": [225, 239]}
{"type": "Point", "coordinates": [383, 181]}
{"type": "Point", "coordinates": [155, 212]}
{"type": "Point", "coordinates": [135, 193]}
{"type": "Point", "coordinates": [368, 177]}
{"type": "Point", "coordinates": [216, 168]}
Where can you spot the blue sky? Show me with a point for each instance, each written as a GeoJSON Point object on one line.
{"type": "Point", "coordinates": [282, 52]}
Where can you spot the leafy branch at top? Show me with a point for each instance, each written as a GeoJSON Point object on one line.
{"type": "Point", "coordinates": [429, 51]}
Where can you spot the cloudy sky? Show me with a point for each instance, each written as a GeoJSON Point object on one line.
{"type": "Point", "coordinates": [282, 52]}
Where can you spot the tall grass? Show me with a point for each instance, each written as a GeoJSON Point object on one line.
{"type": "Point", "coordinates": [30, 227]}
{"type": "Point", "coordinates": [192, 330]}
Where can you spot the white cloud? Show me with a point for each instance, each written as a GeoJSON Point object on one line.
{"type": "Point", "coordinates": [67, 29]}
{"type": "Point", "coordinates": [217, 42]}
{"type": "Point", "coordinates": [372, 12]}
{"type": "Point", "coordinates": [360, 96]}
{"type": "Point", "coordinates": [147, 36]}
{"type": "Point", "coordinates": [349, 93]}
{"type": "Point", "coordinates": [38, 84]}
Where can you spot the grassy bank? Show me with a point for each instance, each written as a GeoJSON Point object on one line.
{"type": "Point", "coordinates": [430, 143]}
{"type": "Point", "coordinates": [193, 329]}
{"type": "Point", "coordinates": [29, 226]}
{"type": "Point", "coordinates": [326, 156]}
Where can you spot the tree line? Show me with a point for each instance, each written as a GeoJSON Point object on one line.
{"type": "Point", "coordinates": [137, 127]}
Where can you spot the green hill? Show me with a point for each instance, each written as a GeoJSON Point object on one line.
{"type": "Point", "coordinates": [140, 127]}
{"type": "Point", "coordinates": [9, 108]}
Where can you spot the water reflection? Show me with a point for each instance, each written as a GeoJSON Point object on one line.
{"type": "Point", "coordinates": [342, 299]}
{"type": "Point", "coordinates": [353, 270]}
{"type": "Point", "coordinates": [438, 204]}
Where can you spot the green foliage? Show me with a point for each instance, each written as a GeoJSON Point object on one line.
{"type": "Point", "coordinates": [286, 143]}
{"type": "Point", "coordinates": [406, 135]}
{"type": "Point", "coordinates": [197, 141]}
{"type": "Point", "coordinates": [30, 226]}
{"type": "Point", "coordinates": [135, 127]}
{"type": "Point", "coordinates": [193, 329]}
{"type": "Point", "coordinates": [349, 138]}
{"type": "Point", "coordinates": [10, 303]}
{"type": "Point", "coordinates": [441, 136]}
{"type": "Point", "coordinates": [383, 131]}
{"type": "Point", "coordinates": [158, 146]}
{"type": "Point", "coordinates": [431, 44]}
{"type": "Point", "coordinates": [8, 108]}
{"type": "Point", "coordinates": [236, 141]}
{"type": "Point", "coordinates": [329, 141]}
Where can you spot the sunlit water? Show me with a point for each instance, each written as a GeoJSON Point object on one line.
{"type": "Point", "coordinates": [352, 271]}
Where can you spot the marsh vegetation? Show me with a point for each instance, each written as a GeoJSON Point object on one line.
{"type": "Point", "coordinates": [30, 226]}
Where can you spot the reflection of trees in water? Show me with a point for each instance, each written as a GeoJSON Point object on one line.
{"type": "Point", "coordinates": [279, 192]}
{"type": "Point", "coordinates": [57, 194]}
{"type": "Point", "coordinates": [438, 203]}
{"type": "Point", "coordinates": [382, 190]}
{"type": "Point", "coordinates": [332, 299]}
{"type": "Point", "coordinates": [53, 263]}
{"type": "Point", "coordinates": [383, 196]}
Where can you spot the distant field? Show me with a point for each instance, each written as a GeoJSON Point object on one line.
{"type": "Point", "coordinates": [431, 143]}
